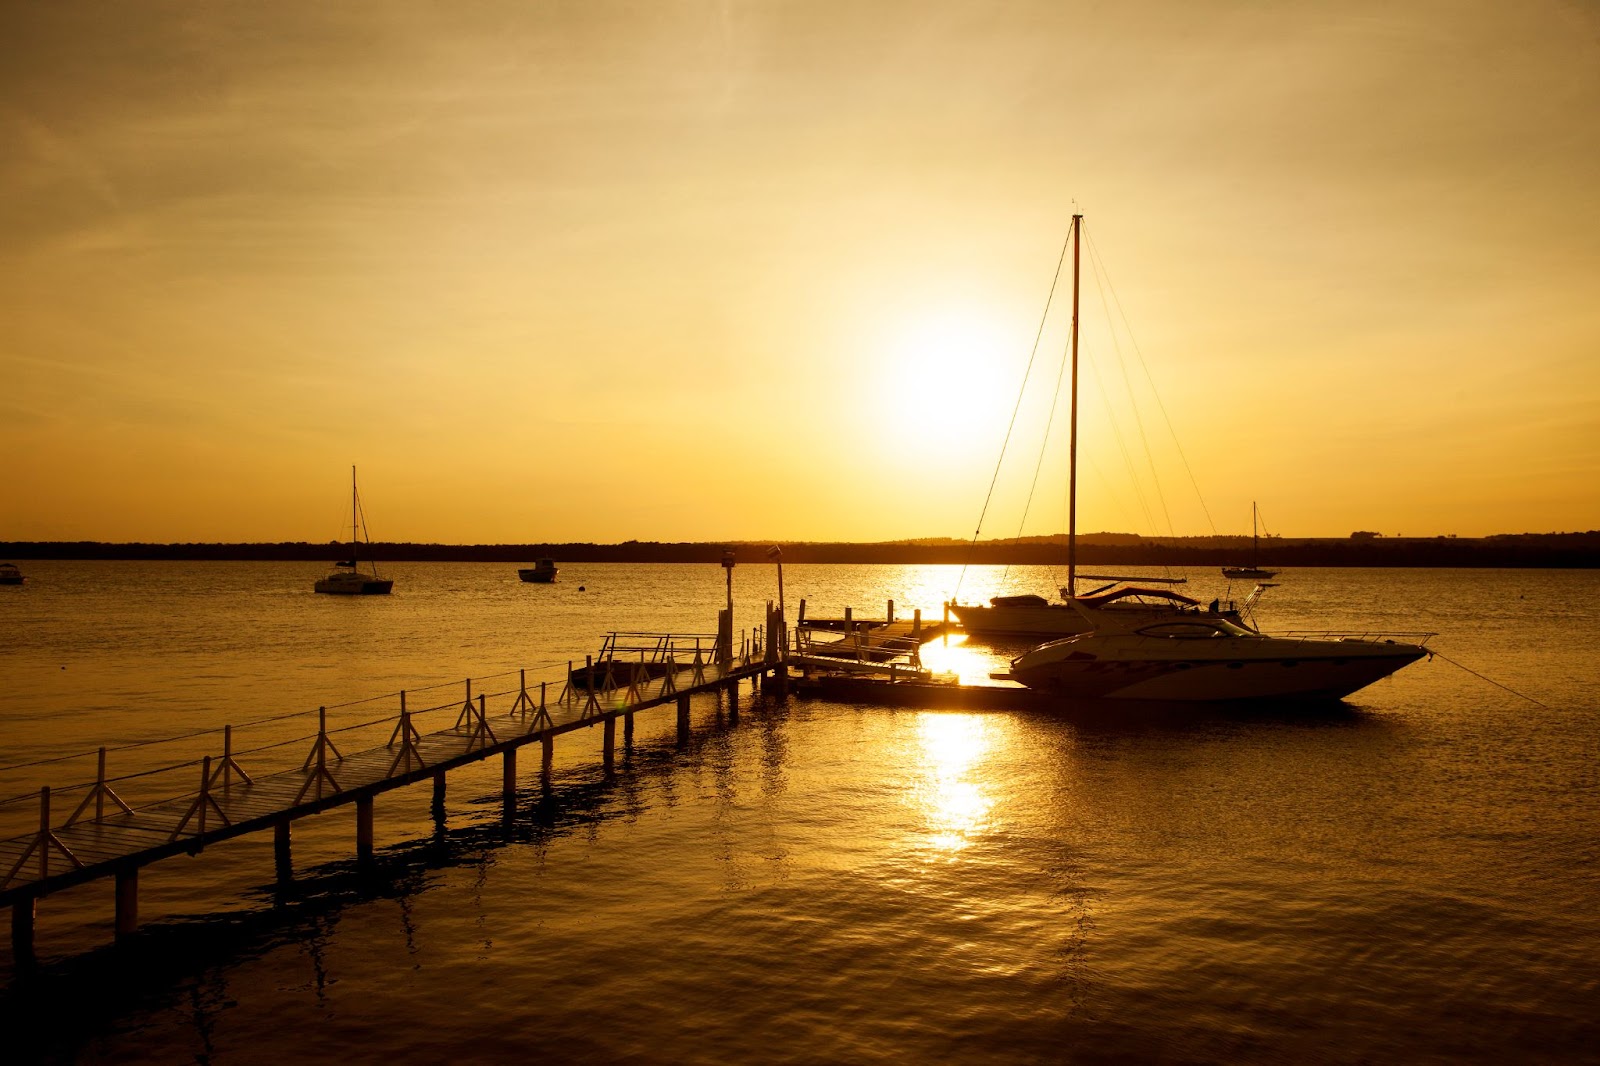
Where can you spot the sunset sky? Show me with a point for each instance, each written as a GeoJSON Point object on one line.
{"type": "Point", "coordinates": [703, 270]}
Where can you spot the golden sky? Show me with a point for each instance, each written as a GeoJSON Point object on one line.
{"type": "Point", "coordinates": [704, 270]}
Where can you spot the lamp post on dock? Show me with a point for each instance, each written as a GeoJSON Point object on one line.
{"type": "Point", "coordinates": [725, 626]}
{"type": "Point", "coordinates": [775, 553]}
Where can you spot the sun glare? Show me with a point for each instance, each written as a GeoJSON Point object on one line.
{"type": "Point", "coordinates": [951, 793]}
{"type": "Point", "coordinates": [950, 376]}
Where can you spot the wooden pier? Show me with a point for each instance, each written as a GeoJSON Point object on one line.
{"type": "Point", "coordinates": [106, 838]}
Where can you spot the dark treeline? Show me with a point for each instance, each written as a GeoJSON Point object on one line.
{"type": "Point", "coordinates": [1579, 550]}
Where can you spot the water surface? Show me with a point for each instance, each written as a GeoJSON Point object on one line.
{"type": "Point", "coordinates": [1409, 876]}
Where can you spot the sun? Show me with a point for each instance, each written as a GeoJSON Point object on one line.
{"type": "Point", "coordinates": [949, 374]}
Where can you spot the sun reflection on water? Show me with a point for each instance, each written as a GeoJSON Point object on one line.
{"type": "Point", "coordinates": [950, 791]}
{"type": "Point", "coordinates": [956, 654]}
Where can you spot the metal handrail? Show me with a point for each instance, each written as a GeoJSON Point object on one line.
{"type": "Point", "coordinates": [1371, 636]}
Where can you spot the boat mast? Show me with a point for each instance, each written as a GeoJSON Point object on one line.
{"type": "Point", "coordinates": [1072, 475]}
{"type": "Point", "coordinates": [1255, 536]}
{"type": "Point", "coordinates": [355, 518]}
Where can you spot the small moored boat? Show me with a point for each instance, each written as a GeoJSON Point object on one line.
{"type": "Point", "coordinates": [542, 572]}
{"type": "Point", "coordinates": [1253, 572]}
{"type": "Point", "coordinates": [10, 575]}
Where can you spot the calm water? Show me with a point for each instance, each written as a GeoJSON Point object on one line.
{"type": "Point", "coordinates": [1411, 877]}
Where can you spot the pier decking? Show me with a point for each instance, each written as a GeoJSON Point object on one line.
{"type": "Point", "coordinates": [104, 837]}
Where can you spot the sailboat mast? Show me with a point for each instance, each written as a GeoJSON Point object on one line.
{"type": "Point", "coordinates": [355, 517]}
{"type": "Point", "coordinates": [1072, 474]}
{"type": "Point", "coordinates": [1255, 536]}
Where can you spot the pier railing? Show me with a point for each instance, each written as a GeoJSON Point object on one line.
{"type": "Point", "coordinates": [139, 773]}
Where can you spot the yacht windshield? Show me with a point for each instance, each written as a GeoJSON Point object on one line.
{"type": "Point", "coordinates": [1209, 629]}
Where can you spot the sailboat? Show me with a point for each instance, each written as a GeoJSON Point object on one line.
{"type": "Point", "coordinates": [1133, 598]}
{"type": "Point", "coordinates": [1253, 571]}
{"type": "Point", "coordinates": [346, 579]}
{"type": "Point", "coordinates": [1177, 651]}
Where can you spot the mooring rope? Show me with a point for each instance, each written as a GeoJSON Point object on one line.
{"type": "Point", "coordinates": [1492, 681]}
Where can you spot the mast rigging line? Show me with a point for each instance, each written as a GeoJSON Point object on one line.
{"type": "Point", "coordinates": [1101, 283]}
{"type": "Point", "coordinates": [1044, 448]}
{"type": "Point", "coordinates": [1094, 254]}
{"type": "Point", "coordinates": [1010, 426]}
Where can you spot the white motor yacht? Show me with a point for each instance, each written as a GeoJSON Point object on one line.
{"type": "Point", "coordinates": [1201, 659]}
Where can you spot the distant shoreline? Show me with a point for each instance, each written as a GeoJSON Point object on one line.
{"type": "Point", "coordinates": [1532, 550]}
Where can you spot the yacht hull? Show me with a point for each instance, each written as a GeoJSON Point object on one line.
{"type": "Point", "coordinates": [1169, 680]}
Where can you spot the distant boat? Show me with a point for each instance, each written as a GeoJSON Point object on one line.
{"type": "Point", "coordinates": [347, 578]}
{"type": "Point", "coordinates": [1252, 572]}
{"type": "Point", "coordinates": [10, 575]}
{"type": "Point", "coordinates": [542, 572]}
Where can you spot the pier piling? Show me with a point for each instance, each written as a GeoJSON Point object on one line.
{"type": "Point", "coordinates": [22, 915]}
{"type": "Point", "coordinates": [282, 857]}
{"type": "Point", "coordinates": [364, 829]}
{"type": "Point", "coordinates": [127, 902]}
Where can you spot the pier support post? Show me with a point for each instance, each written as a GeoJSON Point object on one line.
{"type": "Point", "coordinates": [627, 732]}
{"type": "Point", "coordinates": [547, 758]}
{"type": "Point", "coordinates": [364, 829]}
{"type": "Point", "coordinates": [683, 717]}
{"type": "Point", "coordinates": [609, 745]}
{"type": "Point", "coordinates": [508, 777]}
{"type": "Point", "coordinates": [127, 902]}
{"type": "Point", "coordinates": [725, 640]}
{"type": "Point", "coordinates": [22, 915]}
{"type": "Point", "coordinates": [282, 857]}
{"type": "Point", "coordinates": [437, 807]}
